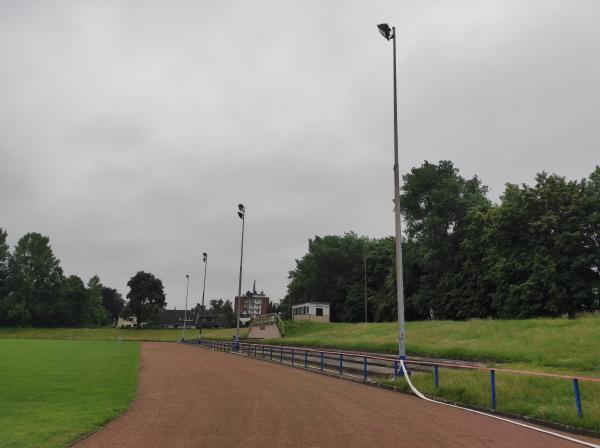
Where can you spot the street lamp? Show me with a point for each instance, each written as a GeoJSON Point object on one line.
{"type": "Point", "coordinates": [187, 290]}
{"type": "Point", "coordinates": [390, 34]}
{"type": "Point", "coordinates": [205, 260]}
{"type": "Point", "coordinates": [242, 214]}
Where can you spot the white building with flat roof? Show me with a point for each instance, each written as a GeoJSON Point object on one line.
{"type": "Point", "coordinates": [315, 311]}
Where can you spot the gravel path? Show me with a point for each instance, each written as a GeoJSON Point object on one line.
{"type": "Point", "coordinates": [190, 397]}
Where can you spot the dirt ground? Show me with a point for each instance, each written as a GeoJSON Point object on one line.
{"type": "Point", "coordinates": [190, 397]}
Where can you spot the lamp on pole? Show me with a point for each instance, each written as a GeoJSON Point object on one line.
{"type": "Point", "coordinates": [390, 34]}
{"type": "Point", "coordinates": [187, 290]}
{"type": "Point", "coordinates": [205, 260]}
{"type": "Point", "coordinates": [242, 214]}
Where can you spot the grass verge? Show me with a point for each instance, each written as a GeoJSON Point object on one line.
{"type": "Point", "coordinates": [113, 334]}
{"type": "Point", "coordinates": [53, 392]}
{"type": "Point", "coordinates": [548, 399]}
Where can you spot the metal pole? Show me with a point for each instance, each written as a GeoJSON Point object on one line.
{"type": "Point", "coordinates": [203, 289]}
{"type": "Point", "coordinates": [577, 397]}
{"type": "Point", "coordinates": [289, 297]}
{"type": "Point", "coordinates": [237, 329]}
{"type": "Point", "coordinates": [493, 388]}
{"type": "Point", "coordinates": [366, 321]}
{"type": "Point", "coordinates": [187, 290]}
{"type": "Point", "coordinates": [399, 278]}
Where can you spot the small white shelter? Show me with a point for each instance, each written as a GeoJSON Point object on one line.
{"type": "Point", "coordinates": [316, 311]}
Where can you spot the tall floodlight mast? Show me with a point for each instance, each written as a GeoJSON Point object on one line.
{"type": "Point", "coordinates": [390, 34]}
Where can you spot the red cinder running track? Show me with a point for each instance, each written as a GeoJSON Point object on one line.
{"type": "Point", "coordinates": [190, 397]}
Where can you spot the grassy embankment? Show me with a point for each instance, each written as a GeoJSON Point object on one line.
{"type": "Point", "coordinates": [549, 345]}
{"type": "Point", "coordinates": [52, 392]}
{"type": "Point", "coordinates": [560, 345]}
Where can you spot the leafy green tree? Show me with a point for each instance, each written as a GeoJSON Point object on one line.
{"type": "Point", "coordinates": [436, 202]}
{"type": "Point", "coordinates": [224, 311]}
{"type": "Point", "coordinates": [113, 303]}
{"type": "Point", "coordinates": [4, 257]}
{"type": "Point", "coordinates": [94, 312]}
{"type": "Point", "coordinates": [12, 311]}
{"type": "Point", "coordinates": [592, 231]}
{"type": "Point", "coordinates": [70, 305]}
{"type": "Point", "coordinates": [36, 279]}
{"type": "Point", "coordinates": [331, 271]}
{"type": "Point", "coordinates": [542, 240]}
{"type": "Point", "coordinates": [146, 298]}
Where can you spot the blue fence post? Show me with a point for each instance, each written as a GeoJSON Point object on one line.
{"type": "Point", "coordinates": [395, 369]}
{"type": "Point", "coordinates": [281, 354]}
{"type": "Point", "coordinates": [293, 353]}
{"type": "Point", "coordinates": [271, 353]}
{"type": "Point", "coordinates": [493, 388]}
{"type": "Point", "coordinates": [577, 397]}
{"type": "Point", "coordinates": [321, 361]}
{"type": "Point", "coordinates": [305, 359]}
{"type": "Point", "coordinates": [341, 363]}
{"type": "Point", "coordinates": [436, 375]}
{"type": "Point", "coordinates": [365, 369]}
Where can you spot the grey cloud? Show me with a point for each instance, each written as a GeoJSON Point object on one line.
{"type": "Point", "coordinates": [129, 131]}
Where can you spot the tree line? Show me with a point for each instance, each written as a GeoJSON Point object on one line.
{"type": "Point", "coordinates": [534, 253]}
{"type": "Point", "coordinates": [35, 291]}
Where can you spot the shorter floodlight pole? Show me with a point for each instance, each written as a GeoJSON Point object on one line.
{"type": "Point", "coordinates": [242, 215]}
{"type": "Point", "coordinates": [187, 290]}
{"type": "Point", "coordinates": [366, 320]}
{"type": "Point", "coordinates": [290, 298]}
{"type": "Point", "coordinates": [205, 259]}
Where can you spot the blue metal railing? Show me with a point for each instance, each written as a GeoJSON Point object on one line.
{"type": "Point", "coordinates": [365, 366]}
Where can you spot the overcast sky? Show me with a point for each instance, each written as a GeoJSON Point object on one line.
{"type": "Point", "coordinates": [130, 130]}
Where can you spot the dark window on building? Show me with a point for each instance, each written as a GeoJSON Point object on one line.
{"type": "Point", "coordinates": [319, 311]}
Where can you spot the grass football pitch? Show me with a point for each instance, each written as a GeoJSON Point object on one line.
{"type": "Point", "coordinates": [53, 392]}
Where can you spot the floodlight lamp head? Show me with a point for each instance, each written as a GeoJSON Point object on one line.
{"type": "Point", "coordinates": [204, 256]}
{"type": "Point", "coordinates": [241, 211]}
{"type": "Point", "coordinates": [187, 276]}
{"type": "Point", "coordinates": [385, 30]}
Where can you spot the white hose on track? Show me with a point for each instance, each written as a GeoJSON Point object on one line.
{"type": "Point", "coordinates": [555, 434]}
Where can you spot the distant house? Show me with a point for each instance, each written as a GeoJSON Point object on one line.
{"type": "Point", "coordinates": [315, 311]}
{"type": "Point", "coordinates": [194, 318]}
{"type": "Point", "coordinates": [127, 322]}
{"type": "Point", "coordinates": [252, 304]}
{"type": "Point", "coordinates": [175, 319]}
